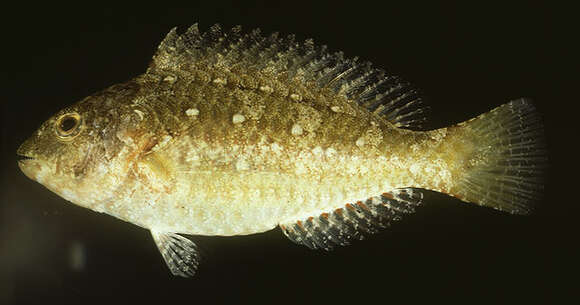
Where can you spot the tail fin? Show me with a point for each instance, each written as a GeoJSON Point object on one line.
{"type": "Point", "coordinates": [507, 174]}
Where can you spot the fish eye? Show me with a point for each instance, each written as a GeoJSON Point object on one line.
{"type": "Point", "coordinates": [68, 125]}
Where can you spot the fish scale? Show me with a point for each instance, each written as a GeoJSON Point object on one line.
{"type": "Point", "coordinates": [229, 133]}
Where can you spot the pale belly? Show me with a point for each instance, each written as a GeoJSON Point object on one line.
{"type": "Point", "coordinates": [241, 204]}
{"type": "Point", "coordinates": [272, 187]}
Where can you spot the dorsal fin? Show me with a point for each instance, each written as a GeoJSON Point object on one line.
{"type": "Point", "coordinates": [342, 225]}
{"type": "Point", "coordinates": [359, 82]}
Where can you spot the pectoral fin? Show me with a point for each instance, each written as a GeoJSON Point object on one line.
{"type": "Point", "coordinates": [180, 254]}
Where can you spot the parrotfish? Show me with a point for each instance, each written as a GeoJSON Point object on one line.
{"type": "Point", "coordinates": [232, 133]}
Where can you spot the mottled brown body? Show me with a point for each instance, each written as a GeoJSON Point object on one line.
{"type": "Point", "coordinates": [228, 134]}
{"type": "Point", "coordinates": [289, 158]}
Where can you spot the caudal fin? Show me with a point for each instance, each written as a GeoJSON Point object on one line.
{"type": "Point", "coordinates": [507, 174]}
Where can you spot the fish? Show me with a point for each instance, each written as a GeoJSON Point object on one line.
{"type": "Point", "coordinates": [234, 133]}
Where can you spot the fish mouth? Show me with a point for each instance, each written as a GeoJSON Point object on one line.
{"type": "Point", "coordinates": [28, 165]}
{"type": "Point", "coordinates": [21, 158]}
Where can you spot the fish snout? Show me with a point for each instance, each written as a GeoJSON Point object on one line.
{"type": "Point", "coordinates": [26, 160]}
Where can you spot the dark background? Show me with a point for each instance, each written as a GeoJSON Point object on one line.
{"type": "Point", "coordinates": [466, 59]}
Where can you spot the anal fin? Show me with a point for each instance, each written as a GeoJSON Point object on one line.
{"type": "Point", "coordinates": [353, 221]}
{"type": "Point", "coordinates": [180, 254]}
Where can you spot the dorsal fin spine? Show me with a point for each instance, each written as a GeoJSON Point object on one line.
{"type": "Point", "coordinates": [355, 80]}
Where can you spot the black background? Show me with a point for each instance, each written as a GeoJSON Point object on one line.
{"type": "Point", "coordinates": [466, 59]}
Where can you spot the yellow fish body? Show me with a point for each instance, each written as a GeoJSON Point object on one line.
{"type": "Point", "coordinates": [232, 134]}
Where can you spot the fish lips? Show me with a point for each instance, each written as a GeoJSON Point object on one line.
{"type": "Point", "coordinates": [21, 158]}
{"type": "Point", "coordinates": [27, 163]}
{"type": "Point", "coordinates": [24, 153]}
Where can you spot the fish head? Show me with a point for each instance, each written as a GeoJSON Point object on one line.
{"type": "Point", "coordinates": [78, 153]}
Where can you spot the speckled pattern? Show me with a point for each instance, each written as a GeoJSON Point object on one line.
{"type": "Point", "coordinates": [231, 134]}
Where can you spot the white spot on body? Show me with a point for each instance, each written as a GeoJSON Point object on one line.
{"type": "Point", "coordinates": [296, 130]}
{"type": "Point", "coordinates": [266, 89]}
{"type": "Point", "coordinates": [276, 148]}
{"type": "Point", "coordinates": [139, 113]}
{"type": "Point", "coordinates": [220, 81]}
{"type": "Point", "coordinates": [360, 142]}
{"type": "Point", "coordinates": [335, 108]}
{"type": "Point", "coordinates": [238, 118]}
{"type": "Point", "coordinates": [330, 152]}
{"type": "Point", "coordinates": [242, 164]}
{"type": "Point", "coordinates": [414, 169]}
{"type": "Point", "coordinates": [317, 151]}
{"type": "Point", "coordinates": [296, 97]}
{"type": "Point", "coordinates": [192, 112]}
{"type": "Point", "coordinates": [300, 169]}
{"type": "Point", "coordinates": [169, 78]}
